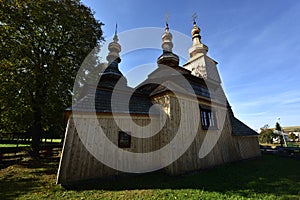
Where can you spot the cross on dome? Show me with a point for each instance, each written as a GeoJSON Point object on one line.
{"type": "Point", "coordinates": [167, 19]}
{"type": "Point", "coordinates": [194, 17]}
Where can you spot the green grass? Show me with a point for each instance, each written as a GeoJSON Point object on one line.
{"type": "Point", "coordinates": [14, 145]}
{"type": "Point", "coordinates": [293, 144]}
{"type": "Point", "coordinates": [268, 177]}
{"type": "Point", "coordinates": [26, 145]}
{"type": "Point", "coordinates": [53, 140]}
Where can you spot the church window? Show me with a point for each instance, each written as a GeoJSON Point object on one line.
{"type": "Point", "coordinates": [124, 140]}
{"type": "Point", "coordinates": [207, 119]}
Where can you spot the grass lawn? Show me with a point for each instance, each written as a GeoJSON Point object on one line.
{"type": "Point", "coordinates": [28, 144]}
{"type": "Point", "coordinates": [14, 145]}
{"type": "Point", "coordinates": [268, 177]}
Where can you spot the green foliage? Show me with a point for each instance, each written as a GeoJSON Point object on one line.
{"type": "Point", "coordinates": [266, 135]}
{"type": "Point", "coordinates": [278, 127]}
{"type": "Point", "coordinates": [43, 43]}
{"type": "Point", "coordinates": [279, 130]}
{"type": "Point", "coordinates": [292, 136]}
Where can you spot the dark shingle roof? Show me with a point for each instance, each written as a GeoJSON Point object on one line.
{"type": "Point", "coordinates": [138, 104]}
{"type": "Point", "coordinates": [175, 75]}
{"type": "Point", "coordinates": [238, 127]}
{"type": "Point", "coordinates": [101, 99]}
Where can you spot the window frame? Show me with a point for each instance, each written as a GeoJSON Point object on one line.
{"type": "Point", "coordinates": [121, 136]}
{"type": "Point", "coordinates": [208, 119]}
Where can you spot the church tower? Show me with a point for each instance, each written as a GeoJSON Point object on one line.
{"type": "Point", "coordinates": [112, 74]}
{"type": "Point", "coordinates": [200, 64]}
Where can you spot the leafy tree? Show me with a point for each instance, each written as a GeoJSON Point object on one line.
{"type": "Point", "coordinates": [43, 43]}
{"type": "Point", "coordinates": [92, 69]}
{"type": "Point", "coordinates": [266, 135]}
{"type": "Point", "coordinates": [278, 127]}
{"type": "Point", "coordinates": [266, 126]}
{"type": "Point", "coordinates": [279, 130]}
{"type": "Point", "coordinates": [292, 136]}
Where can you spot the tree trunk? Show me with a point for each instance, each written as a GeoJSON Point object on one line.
{"type": "Point", "coordinates": [36, 130]}
{"type": "Point", "coordinates": [37, 104]}
{"type": "Point", "coordinates": [36, 136]}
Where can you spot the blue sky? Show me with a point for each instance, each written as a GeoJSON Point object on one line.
{"type": "Point", "coordinates": [256, 43]}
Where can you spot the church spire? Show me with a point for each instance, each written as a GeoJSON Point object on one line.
{"type": "Point", "coordinates": [114, 50]}
{"type": "Point", "coordinates": [112, 74]}
{"type": "Point", "coordinates": [198, 46]}
{"type": "Point", "coordinates": [167, 44]}
{"type": "Point", "coordinates": [168, 57]}
{"type": "Point", "coordinates": [200, 64]}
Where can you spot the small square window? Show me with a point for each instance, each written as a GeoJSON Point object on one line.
{"type": "Point", "coordinates": [124, 140]}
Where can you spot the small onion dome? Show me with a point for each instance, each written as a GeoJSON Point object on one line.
{"type": "Point", "coordinates": [114, 50]}
{"type": "Point", "coordinates": [195, 30]}
{"type": "Point", "coordinates": [168, 57]}
{"type": "Point", "coordinates": [111, 75]}
{"type": "Point", "coordinates": [198, 46]}
{"type": "Point", "coordinates": [167, 44]}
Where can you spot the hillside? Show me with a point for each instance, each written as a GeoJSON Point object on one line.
{"type": "Point", "coordinates": [291, 128]}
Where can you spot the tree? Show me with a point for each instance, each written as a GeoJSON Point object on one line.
{"type": "Point", "coordinates": [266, 135]}
{"type": "Point", "coordinates": [292, 136]}
{"type": "Point", "coordinates": [278, 134]}
{"type": "Point", "coordinates": [43, 43]}
{"type": "Point", "coordinates": [278, 127]}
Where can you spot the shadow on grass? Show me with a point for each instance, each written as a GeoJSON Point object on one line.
{"type": "Point", "coordinates": [47, 165]}
{"type": "Point", "coordinates": [268, 174]}
{"type": "Point", "coordinates": [11, 189]}
{"type": "Point", "coordinates": [27, 176]}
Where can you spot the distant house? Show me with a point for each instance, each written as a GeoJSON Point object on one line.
{"type": "Point", "coordinates": [297, 134]}
{"type": "Point", "coordinates": [286, 136]}
{"type": "Point", "coordinates": [236, 141]}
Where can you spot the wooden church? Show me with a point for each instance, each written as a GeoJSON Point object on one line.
{"type": "Point", "coordinates": [178, 120]}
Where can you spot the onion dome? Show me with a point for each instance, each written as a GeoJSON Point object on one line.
{"type": "Point", "coordinates": [198, 46]}
{"type": "Point", "coordinates": [112, 74]}
{"type": "Point", "coordinates": [168, 57]}
{"type": "Point", "coordinates": [114, 50]}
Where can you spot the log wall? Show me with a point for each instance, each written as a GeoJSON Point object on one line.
{"type": "Point", "coordinates": [219, 146]}
{"type": "Point", "coordinates": [77, 163]}
{"type": "Point", "coordinates": [248, 146]}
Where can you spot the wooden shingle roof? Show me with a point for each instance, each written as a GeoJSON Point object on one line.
{"type": "Point", "coordinates": [138, 104]}
{"type": "Point", "coordinates": [238, 127]}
